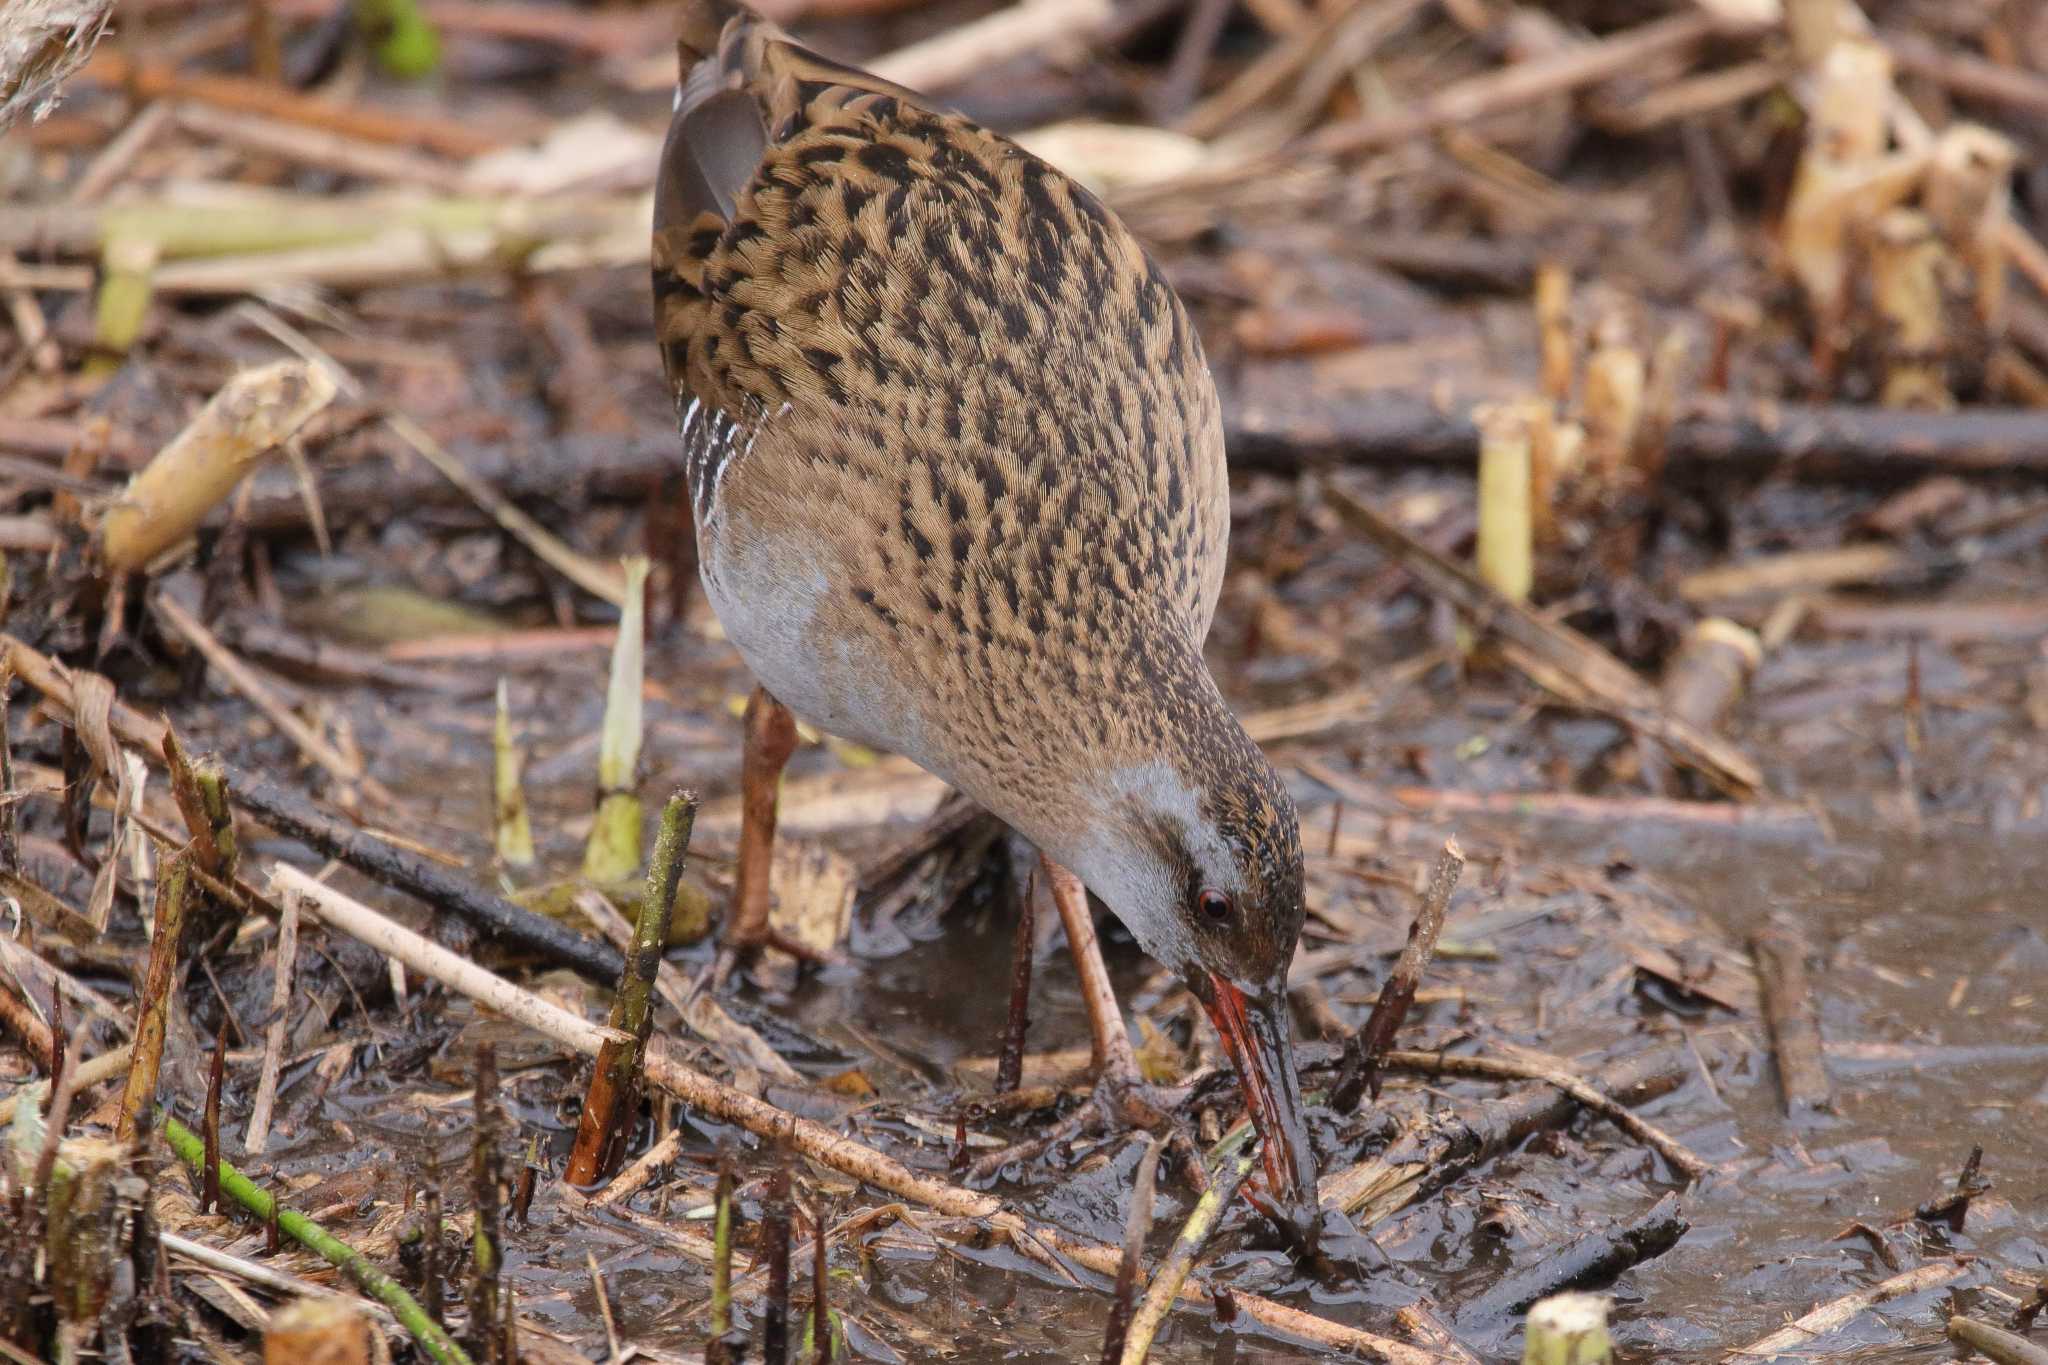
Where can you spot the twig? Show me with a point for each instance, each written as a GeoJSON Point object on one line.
{"type": "Point", "coordinates": [1780, 953]}
{"type": "Point", "coordinates": [424, 955]}
{"type": "Point", "coordinates": [372, 1281]}
{"type": "Point", "coordinates": [1682, 1158]}
{"type": "Point", "coordinates": [153, 1009]}
{"type": "Point", "coordinates": [343, 768]}
{"type": "Point", "coordinates": [775, 1210]}
{"type": "Point", "coordinates": [1173, 1272]}
{"type": "Point", "coordinates": [1799, 1335]}
{"type": "Point", "coordinates": [1557, 658]}
{"type": "Point", "coordinates": [258, 1135]}
{"type": "Point", "coordinates": [100, 1069]}
{"type": "Point", "coordinates": [1137, 1227]}
{"type": "Point", "coordinates": [2007, 1348]}
{"type": "Point", "coordinates": [1363, 1049]}
{"type": "Point", "coordinates": [1592, 1259]}
{"type": "Point", "coordinates": [1010, 1061]}
{"type": "Point", "coordinates": [612, 1101]}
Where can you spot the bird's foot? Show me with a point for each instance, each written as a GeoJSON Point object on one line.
{"type": "Point", "coordinates": [1122, 1102]}
{"type": "Point", "coordinates": [743, 949]}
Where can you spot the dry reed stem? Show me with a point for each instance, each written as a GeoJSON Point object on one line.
{"type": "Point", "coordinates": [1798, 1336]}
{"type": "Point", "coordinates": [258, 1135]}
{"type": "Point", "coordinates": [253, 414]}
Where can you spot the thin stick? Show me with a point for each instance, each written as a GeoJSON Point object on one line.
{"type": "Point", "coordinates": [104, 1067]}
{"type": "Point", "coordinates": [154, 1008]}
{"type": "Point", "coordinates": [1364, 1048]}
{"type": "Point", "coordinates": [431, 959]}
{"type": "Point", "coordinates": [1137, 1227]}
{"type": "Point", "coordinates": [775, 1246]}
{"type": "Point", "coordinates": [1187, 1249]}
{"type": "Point", "coordinates": [1780, 953]}
{"type": "Point", "coordinates": [245, 680]}
{"type": "Point", "coordinates": [612, 1100]}
{"type": "Point", "coordinates": [1010, 1063]}
{"type": "Point", "coordinates": [303, 1230]}
{"type": "Point", "coordinates": [1799, 1335]}
{"type": "Point", "coordinates": [258, 1135]}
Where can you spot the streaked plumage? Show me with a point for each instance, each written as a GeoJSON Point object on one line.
{"type": "Point", "coordinates": [957, 468]}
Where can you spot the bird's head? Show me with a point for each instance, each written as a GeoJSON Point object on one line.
{"type": "Point", "coordinates": [1202, 863]}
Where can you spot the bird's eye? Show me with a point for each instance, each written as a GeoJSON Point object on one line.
{"type": "Point", "coordinates": [1215, 906]}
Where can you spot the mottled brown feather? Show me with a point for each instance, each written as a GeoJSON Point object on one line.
{"type": "Point", "coordinates": [917, 351]}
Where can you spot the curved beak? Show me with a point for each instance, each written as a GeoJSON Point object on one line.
{"type": "Point", "coordinates": [1260, 1040]}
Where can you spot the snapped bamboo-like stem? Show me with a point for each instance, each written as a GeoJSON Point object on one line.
{"type": "Point", "coordinates": [1568, 1329]}
{"type": "Point", "coordinates": [1507, 552]}
{"type": "Point", "coordinates": [309, 1234]}
{"type": "Point", "coordinates": [1553, 323]}
{"type": "Point", "coordinates": [253, 414]}
{"type": "Point", "coordinates": [126, 266]}
{"type": "Point", "coordinates": [1707, 674]}
{"type": "Point", "coordinates": [615, 1084]}
{"type": "Point", "coordinates": [486, 1194]}
{"type": "Point", "coordinates": [719, 1350]}
{"type": "Point", "coordinates": [1968, 194]}
{"type": "Point", "coordinates": [512, 831]}
{"type": "Point", "coordinates": [1616, 379]}
{"type": "Point", "coordinates": [613, 853]}
{"type": "Point", "coordinates": [173, 883]}
{"type": "Point", "coordinates": [1907, 262]}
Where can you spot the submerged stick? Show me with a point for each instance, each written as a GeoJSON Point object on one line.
{"type": "Point", "coordinates": [309, 1234]}
{"type": "Point", "coordinates": [258, 1135]}
{"type": "Point", "coordinates": [1173, 1272]}
{"type": "Point", "coordinates": [1594, 1258]}
{"type": "Point", "coordinates": [1780, 953]}
{"type": "Point", "coordinates": [613, 1097]}
{"type": "Point", "coordinates": [1363, 1050]}
{"type": "Point", "coordinates": [486, 1196]}
{"type": "Point", "coordinates": [775, 1246]}
{"type": "Point", "coordinates": [1010, 1062]}
{"type": "Point", "coordinates": [1799, 1335]}
{"type": "Point", "coordinates": [168, 932]}
{"type": "Point", "coordinates": [1137, 1227]}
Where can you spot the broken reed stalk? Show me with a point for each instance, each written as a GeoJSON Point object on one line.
{"type": "Point", "coordinates": [258, 1134]}
{"type": "Point", "coordinates": [1187, 1249]}
{"type": "Point", "coordinates": [1568, 1329]}
{"type": "Point", "coordinates": [1010, 1062]}
{"type": "Point", "coordinates": [511, 830]}
{"type": "Point", "coordinates": [720, 1350]}
{"type": "Point", "coordinates": [2006, 1348]}
{"type": "Point", "coordinates": [254, 413]}
{"type": "Point", "coordinates": [323, 1331]}
{"type": "Point", "coordinates": [1363, 1050]}
{"type": "Point", "coordinates": [831, 1148]}
{"type": "Point", "coordinates": [201, 791]}
{"type": "Point", "coordinates": [1506, 556]}
{"type": "Point", "coordinates": [138, 1099]}
{"type": "Point", "coordinates": [613, 853]}
{"type": "Point", "coordinates": [104, 1067]}
{"type": "Point", "coordinates": [612, 1101]}
{"type": "Point", "coordinates": [309, 1234]}
{"type": "Point", "coordinates": [1780, 952]}
{"type": "Point", "coordinates": [486, 1195]}
{"type": "Point", "coordinates": [775, 1245]}
{"type": "Point", "coordinates": [1137, 1227]}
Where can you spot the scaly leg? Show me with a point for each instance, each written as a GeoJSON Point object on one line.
{"type": "Point", "coordinates": [770, 740]}
{"type": "Point", "coordinates": [1122, 1099]}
